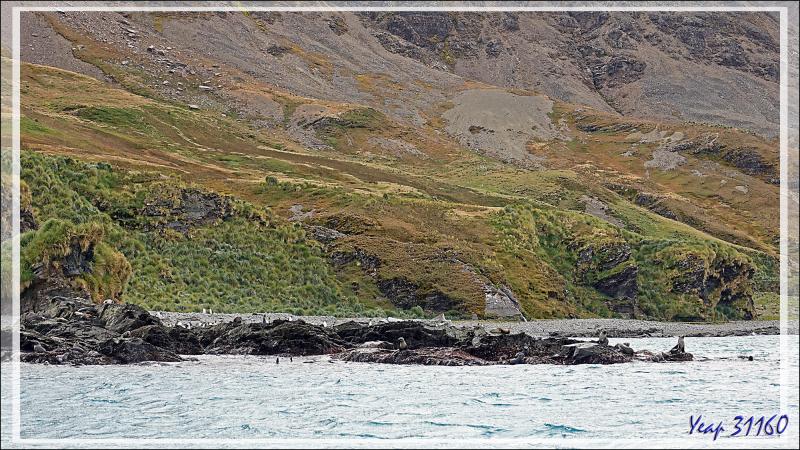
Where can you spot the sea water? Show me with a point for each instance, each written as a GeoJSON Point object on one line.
{"type": "Point", "coordinates": [232, 397]}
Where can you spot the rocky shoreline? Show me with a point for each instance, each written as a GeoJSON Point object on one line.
{"type": "Point", "coordinates": [583, 328]}
{"type": "Point", "coordinates": [71, 331]}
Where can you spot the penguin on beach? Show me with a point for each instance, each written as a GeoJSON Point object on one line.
{"type": "Point", "coordinates": [401, 343]}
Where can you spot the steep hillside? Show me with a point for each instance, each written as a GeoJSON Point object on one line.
{"type": "Point", "coordinates": [294, 163]}
{"type": "Point", "coordinates": [706, 67]}
{"type": "Point", "coordinates": [685, 66]}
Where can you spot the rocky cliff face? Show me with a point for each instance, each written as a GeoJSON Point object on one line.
{"type": "Point", "coordinates": [422, 286]}
{"type": "Point", "coordinates": [719, 282]}
{"type": "Point", "coordinates": [609, 268]}
{"type": "Point", "coordinates": [182, 209]}
{"type": "Point", "coordinates": [27, 220]}
{"type": "Point", "coordinates": [618, 61]}
{"type": "Point", "coordinates": [647, 64]}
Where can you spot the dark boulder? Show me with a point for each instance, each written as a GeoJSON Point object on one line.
{"type": "Point", "coordinates": [416, 334]}
{"type": "Point", "coordinates": [623, 287]}
{"type": "Point", "coordinates": [135, 350]}
{"type": "Point", "coordinates": [502, 346]}
{"type": "Point", "coordinates": [603, 257]}
{"type": "Point", "coordinates": [175, 339]}
{"type": "Point", "coordinates": [276, 338]}
{"type": "Point", "coordinates": [182, 209]}
{"type": "Point", "coordinates": [428, 356]}
{"type": "Point", "coordinates": [405, 294]}
{"type": "Point", "coordinates": [120, 317]}
{"type": "Point", "coordinates": [591, 353]}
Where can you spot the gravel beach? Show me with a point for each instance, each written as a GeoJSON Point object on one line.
{"type": "Point", "coordinates": [549, 327]}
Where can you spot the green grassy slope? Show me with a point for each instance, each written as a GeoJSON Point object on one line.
{"type": "Point", "coordinates": [445, 224]}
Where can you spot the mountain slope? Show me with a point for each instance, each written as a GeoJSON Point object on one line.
{"type": "Point", "coordinates": [421, 191]}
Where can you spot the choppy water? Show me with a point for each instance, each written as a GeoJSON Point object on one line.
{"type": "Point", "coordinates": [252, 397]}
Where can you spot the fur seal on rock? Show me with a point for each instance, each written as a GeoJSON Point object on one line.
{"type": "Point", "coordinates": [603, 338]}
{"type": "Point", "coordinates": [519, 358]}
{"type": "Point", "coordinates": [625, 348]}
{"type": "Point", "coordinates": [680, 347]}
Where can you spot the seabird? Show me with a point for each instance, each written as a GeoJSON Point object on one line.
{"type": "Point", "coordinates": [204, 310]}
{"type": "Point", "coordinates": [401, 343]}
{"type": "Point", "coordinates": [603, 338]}
{"type": "Point", "coordinates": [324, 324]}
{"type": "Point", "coordinates": [277, 360]}
{"type": "Point", "coordinates": [264, 318]}
{"type": "Point", "coordinates": [37, 347]}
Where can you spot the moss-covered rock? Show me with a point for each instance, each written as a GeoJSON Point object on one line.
{"type": "Point", "coordinates": [70, 259]}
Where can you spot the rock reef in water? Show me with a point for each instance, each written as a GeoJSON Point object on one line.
{"type": "Point", "coordinates": [75, 331]}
